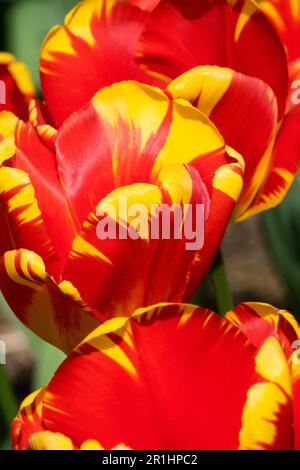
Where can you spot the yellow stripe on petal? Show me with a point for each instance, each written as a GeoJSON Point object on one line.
{"type": "Point", "coordinates": [47, 131]}
{"type": "Point", "coordinates": [36, 399]}
{"type": "Point", "coordinates": [203, 86]}
{"type": "Point", "coordinates": [22, 198]}
{"type": "Point", "coordinates": [66, 287]}
{"type": "Point", "coordinates": [118, 203]}
{"type": "Point", "coordinates": [121, 447]}
{"type": "Point", "coordinates": [82, 247]}
{"type": "Point", "coordinates": [7, 148]}
{"type": "Point", "coordinates": [229, 180]}
{"type": "Point", "coordinates": [249, 8]}
{"type": "Point", "coordinates": [295, 9]}
{"type": "Point", "coordinates": [134, 104]}
{"type": "Point", "coordinates": [254, 186]}
{"type": "Point", "coordinates": [66, 318]}
{"type": "Point", "coordinates": [79, 19]}
{"type": "Point", "coordinates": [269, 200]}
{"type": "Point", "coordinates": [272, 314]}
{"type": "Point", "coordinates": [271, 11]}
{"type": "Point", "coordinates": [272, 365]}
{"type": "Point", "coordinates": [29, 264]}
{"type": "Point", "coordinates": [6, 58]}
{"type": "Point", "coordinates": [121, 325]}
{"type": "Point", "coordinates": [100, 340]}
{"type": "Point", "coordinates": [260, 416]}
{"type": "Point", "coordinates": [110, 349]}
{"type": "Point", "coordinates": [47, 440]}
{"type": "Point", "coordinates": [91, 444]}
{"type": "Point", "coordinates": [191, 135]}
{"type": "Point", "coordinates": [56, 39]}
{"type": "Point", "coordinates": [8, 123]}
{"type": "Point", "coordinates": [186, 312]}
{"type": "Point", "coordinates": [177, 181]}
{"type": "Point", "coordinates": [22, 77]}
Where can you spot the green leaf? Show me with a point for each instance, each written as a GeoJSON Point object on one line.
{"type": "Point", "coordinates": [282, 230]}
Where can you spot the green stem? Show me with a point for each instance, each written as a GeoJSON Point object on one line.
{"type": "Point", "coordinates": [221, 287]}
{"type": "Point", "coordinates": [200, 294]}
{"type": "Point", "coordinates": [8, 403]}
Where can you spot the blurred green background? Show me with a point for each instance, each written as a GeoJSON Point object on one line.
{"type": "Point", "coordinates": [262, 255]}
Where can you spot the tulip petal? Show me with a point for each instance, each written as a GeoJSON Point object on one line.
{"type": "Point", "coordinates": [285, 16]}
{"type": "Point", "coordinates": [268, 413]}
{"type": "Point", "coordinates": [28, 420]}
{"type": "Point", "coordinates": [41, 121]}
{"type": "Point", "coordinates": [224, 183]}
{"type": "Point", "coordinates": [27, 153]}
{"type": "Point", "coordinates": [46, 440]}
{"type": "Point", "coordinates": [127, 134]}
{"type": "Point", "coordinates": [18, 85]}
{"type": "Point", "coordinates": [285, 164]}
{"type": "Point", "coordinates": [171, 372]}
{"type": "Point", "coordinates": [296, 393]}
{"type": "Point", "coordinates": [134, 131]}
{"type": "Point", "coordinates": [258, 321]}
{"type": "Point", "coordinates": [182, 35]}
{"type": "Point", "coordinates": [230, 99]}
{"type": "Point", "coordinates": [22, 223]}
{"type": "Point", "coordinates": [55, 312]}
{"type": "Point", "coordinates": [147, 5]}
{"type": "Point", "coordinates": [132, 267]}
{"type": "Point", "coordinates": [94, 48]}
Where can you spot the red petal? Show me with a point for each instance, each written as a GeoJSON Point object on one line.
{"type": "Point", "coordinates": [132, 273]}
{"type": "Point", "coordinates": [53, 311]}
{"type": "Point", "coordinates": [38, 161]}
{"type": "Point", "coordinates": [285, 164]}
{"type": "Point", "coordinates": [94, 49]}
{"type": "Point", "coordinates": [182, 35]}
{"type": "Point", "coordinates": [175, 378]}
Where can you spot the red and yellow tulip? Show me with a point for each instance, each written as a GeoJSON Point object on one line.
{"type": "Point", "coordinates": [158, 102]}
{"type": "Point", "coordinates": [17, 87]}
{"type": "Point", "coordinates": [133, 141]}
{"type": "Point", "coordinates": [242, 79]}
{"type": "Point", "coordinates": [173, 377]}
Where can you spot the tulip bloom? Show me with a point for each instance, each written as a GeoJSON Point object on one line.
{"type": "Point", "coordinates": [16, 86]}
{"type": "Point", "coordinates": [173, 376]}
{"type": "Point", "coordinates": [131, 141]}
{"type": "Point", "coordinates": [156, 41]}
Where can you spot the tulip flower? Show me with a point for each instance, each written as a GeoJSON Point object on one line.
{"type": "Point", "coordinates": [131, 141]}
{"type": "Point", "coordinates": [173, 376]}
{"type": "Point", "coordinates": [16, 86]}
{"type": "Point", "coordinates": [243, 92]}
